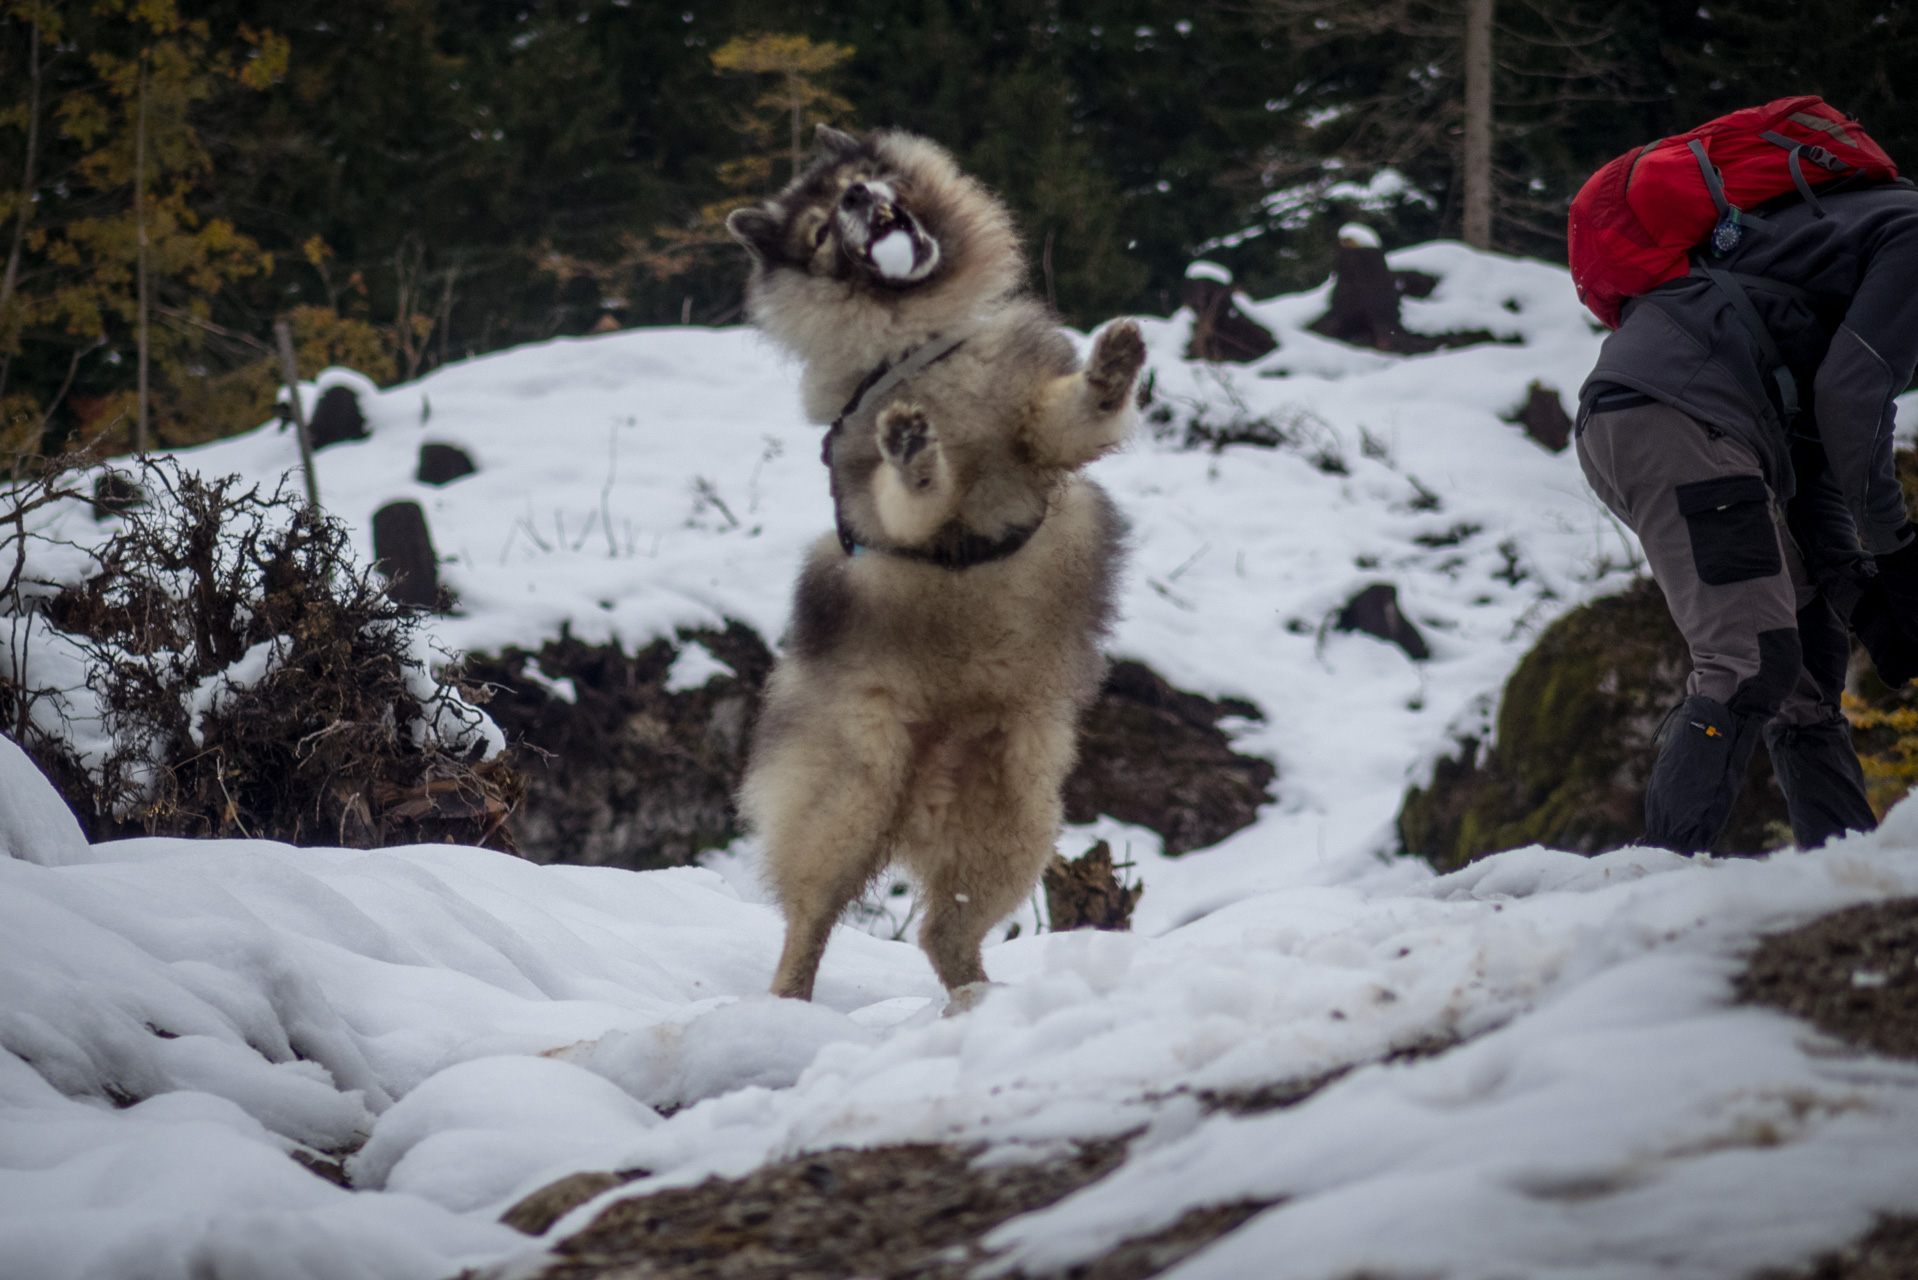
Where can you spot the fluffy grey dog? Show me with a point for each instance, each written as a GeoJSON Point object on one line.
{"type": "Point", "coordinates": [946, 639]}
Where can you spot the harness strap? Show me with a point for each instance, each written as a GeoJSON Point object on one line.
{"type": "Point", "coordinates": [888, 375]}
{"type": "Point", "coordinates": [965, 549]}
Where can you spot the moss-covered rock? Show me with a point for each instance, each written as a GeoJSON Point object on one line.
{"type": "Point", "coordinates": [1575, 746]}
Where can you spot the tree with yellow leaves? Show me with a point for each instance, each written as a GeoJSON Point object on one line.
{"type": "Point", "coordinates": [796, 96]}
{"type": "Point", "coordinates": [125, 258]}
{"type": "Point", "coordinates": [794, 101]}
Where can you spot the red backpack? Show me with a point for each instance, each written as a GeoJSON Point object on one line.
{"type": "Point", "coordinates": [1637, 221]}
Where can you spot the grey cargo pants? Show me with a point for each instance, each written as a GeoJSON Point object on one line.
{"type": "Point", "coordinates": [1768, 651]}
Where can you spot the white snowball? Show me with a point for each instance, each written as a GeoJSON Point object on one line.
{"type": "Point", "coordinates": [893, 255]}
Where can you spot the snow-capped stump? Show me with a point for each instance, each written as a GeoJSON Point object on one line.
{"type": "Point", "coordinates": [1221, 332]}
{"type": "Point", "coordinates": [1155, 756]}
{"type": "Point", "coordinates": [336, 417]}
{"type": "Point", "coordinates": [1543, 417]}
{"type": "Point", "coordinates": [1087, 892]}
{"type": "Point", "coordinates": [442, 464]}
{"type": "Point", "coordinates": [1365, 300]}
{"type": "Point", "coordinates": [1375, 611]}
{"type": "Point", "coordinates": [403, 551]}
{"type": "Point", "coordinates": [1575, 745]}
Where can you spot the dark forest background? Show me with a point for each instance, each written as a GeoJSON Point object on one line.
{"type": "Point", "coordinates": [416, 181]}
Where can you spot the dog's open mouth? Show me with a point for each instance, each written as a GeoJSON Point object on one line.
{"type": "Point", "coordinates": [885, 238]}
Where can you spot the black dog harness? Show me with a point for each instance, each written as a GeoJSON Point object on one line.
{"type": "Point", "coordinates": [954, 546]}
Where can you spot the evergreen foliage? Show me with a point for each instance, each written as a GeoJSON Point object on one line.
{"type": "Point", "coordinates": [414, 181]}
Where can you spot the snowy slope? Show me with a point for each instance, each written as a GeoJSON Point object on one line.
{"type": "Point", "coordinates": [490, 1025]}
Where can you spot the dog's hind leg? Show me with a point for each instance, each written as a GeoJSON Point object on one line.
{"type": "Point", "coordinates": [998, 837]}
{"type": "Point", "coordinates": [842, 862]}
{"type": "Point", "coordinates": [824, 801]}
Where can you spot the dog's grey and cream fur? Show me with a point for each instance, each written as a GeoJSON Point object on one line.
{"type": "Point", "coordinates": [944, 643]}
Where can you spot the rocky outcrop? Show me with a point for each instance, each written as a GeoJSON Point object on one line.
{"type": "Point", "coordinates": [1155, 756]}
{"type": "Point", "coordinates": [1577, 726]}
{"type": "Point", "coordinates": [1544, 418]}
{"type": "Point", "coordinates": [625, 768]}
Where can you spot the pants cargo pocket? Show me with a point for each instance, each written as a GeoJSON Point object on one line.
{"type": "Point", "coordinates": [1733, 537]}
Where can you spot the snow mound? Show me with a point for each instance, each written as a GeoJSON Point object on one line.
{"type": "Point", "coordinates": [35, 824]}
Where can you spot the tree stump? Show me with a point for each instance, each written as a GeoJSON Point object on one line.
{"type": "Point", "coordinates": [1375, 611]}
{"type": "Point", "coordinates": [442, 464]}
{"type": "Point", "coordinates": [337, 417]}
{"type": "Point", "coordinates": [1086, 892]}
{"type": "Point", "coordinates": [403, 551]}
{"type": "Point", "coordinates": [1222, 333]}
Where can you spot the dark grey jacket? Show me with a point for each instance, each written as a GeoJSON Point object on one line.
{"type": "Point", "coordinates": [1851, 348]}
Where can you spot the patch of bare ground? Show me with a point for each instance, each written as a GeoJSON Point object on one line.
{"type": "Point", "coordinates": [1280, 1094]}
{"type": "Point", "coordinates": [915, 1212]}
{"type": "Point", "coordinates": [1853, 974]}
{"type": "Point", "coordinates": [1890, 1252]}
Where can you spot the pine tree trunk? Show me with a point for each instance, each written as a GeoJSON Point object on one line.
{"type": "Point", "coordinates": [140, 232]}
{"type": "Point", "coordinates": [1478, 123]}
{"type": "Point", "coordinates": [12, 279]}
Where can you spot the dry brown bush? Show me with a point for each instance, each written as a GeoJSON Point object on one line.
{"type": "Point", "coordinates": [253, 679]}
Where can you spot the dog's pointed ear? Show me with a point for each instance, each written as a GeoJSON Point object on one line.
{"type": "Point", "coordinates": [757, 229]}
{"type": "Point", "coordinates": [832, 142]}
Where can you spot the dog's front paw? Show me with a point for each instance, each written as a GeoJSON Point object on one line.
{"type": "Point", "coordinates": [908, 442]}
{"type": "Point", "coordinates": [1116, 359]}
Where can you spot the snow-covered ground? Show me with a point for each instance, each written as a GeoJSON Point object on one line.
{"type": "Point", "coordinates": [488, 1025]}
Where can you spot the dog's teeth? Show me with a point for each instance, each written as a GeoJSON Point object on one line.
{"type": "Point", "coordinates": [893, 255]}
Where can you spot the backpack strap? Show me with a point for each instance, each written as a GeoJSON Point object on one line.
{"type": "Point", "coordinates": [1732, 220]}
{"type": "Point", "coordinates": [1817, 155]}
{"type": "Point", "coordinates": [1735, 285]}
{"type": "Point", "coordinates": [1712, 184]}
